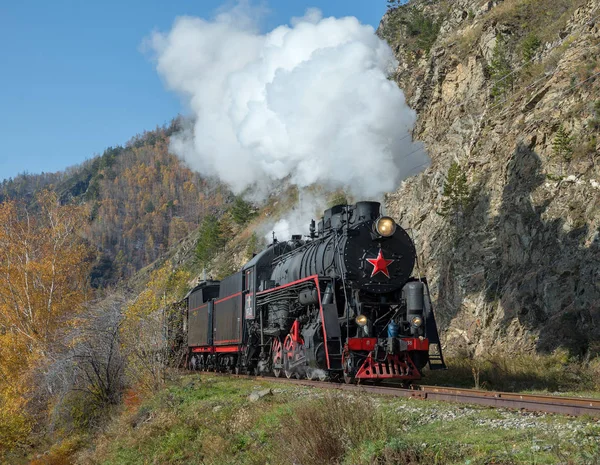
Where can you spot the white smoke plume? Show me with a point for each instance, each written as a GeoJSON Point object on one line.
{"type": "Point", "coordinates": [310, 103]}
{"type": "Point", "coordinates": [310, 205]}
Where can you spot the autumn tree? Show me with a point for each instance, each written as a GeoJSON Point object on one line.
{"type": "Point", "coordinates": [43, 282]}
{"type": "Point", "coordinates": [87, 371]}
{"type": "Point", "coordinates": [43, 266]}
{"type": "Point", "coordinates": [144, 328]}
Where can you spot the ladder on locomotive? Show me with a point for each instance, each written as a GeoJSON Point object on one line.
{"type": "Point", "coordinates": [436, 359]}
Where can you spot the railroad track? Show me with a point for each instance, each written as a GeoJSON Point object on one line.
{"type": "Point", "coordinates": [574, 406]}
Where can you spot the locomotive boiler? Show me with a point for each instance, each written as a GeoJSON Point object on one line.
{"type": "Point", "coordinates": [341, 302]}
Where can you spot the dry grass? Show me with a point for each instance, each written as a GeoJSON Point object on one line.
{"type": "Point", "coordinates": [324, 430]}
{"type": "Point", "coordinates": [556, 372]}
{"type": "Point", "coordinates": [543, 19]}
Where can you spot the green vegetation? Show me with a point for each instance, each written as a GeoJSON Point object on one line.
{"type": "Point", "coordinates": [562, 145]}
{"type": "Point", "coordinates": [542, 18]}
{"type": "Point", "coordinates": [596, 117]}
{"type": "Point", "coordinates": [203, 419]}
{"type": "Point", "coordinates": [530, 46]}
{"type": "Point", "coordinates": [500, 70]}
{"type": "Point", "coordinates": [422, 30]}
{"type": "Point", "coordinates": [210, 239]}
{"type": "Point", "coordinates": [532, 23]}
{"type": "Point", "coordinates": [241, 211]}
{"type": "Point", "coordinates": [455, 193]}
{"type": "Point", "coordinates": [412, 28]}
{"type": "Point", "coordinates": [395, 3]}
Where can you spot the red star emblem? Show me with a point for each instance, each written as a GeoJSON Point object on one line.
{"type": "Point", "coordinates": [380, 264]}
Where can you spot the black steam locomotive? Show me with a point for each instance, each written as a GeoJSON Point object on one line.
{"type": "Point", "coordinates": [340, 302]}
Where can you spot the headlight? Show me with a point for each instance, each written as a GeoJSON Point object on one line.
{"type": "Point", "coordinates": [361, 320]}
{"type": "Point", "coordinates": [416, 321]}
{"type": "Point", "coordinates": [385, 226]}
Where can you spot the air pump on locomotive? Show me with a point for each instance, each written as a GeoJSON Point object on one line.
{"type": "Point", "coordinates": [339, 302]}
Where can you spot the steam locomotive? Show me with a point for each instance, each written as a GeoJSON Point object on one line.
{"type": "Point", "coordinates": [339, 303]}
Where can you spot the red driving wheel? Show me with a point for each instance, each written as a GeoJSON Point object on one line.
{"type": "Point", "coordinates": [277, 356]}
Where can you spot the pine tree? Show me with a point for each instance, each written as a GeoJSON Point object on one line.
{"type": "Point", "coordinates": [242, 211]}
{"type": "Point", "coordinates": [500, 70]}
{"type": "Point", "coordinates": [455, 193]}
{"type": "Point", "coordinates": [209, 240]}
{"type": "Point", "coordinates": [561, 145]}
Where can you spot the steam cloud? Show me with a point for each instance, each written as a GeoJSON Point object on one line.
{"type": "Point", "coordinates": [309, 103]}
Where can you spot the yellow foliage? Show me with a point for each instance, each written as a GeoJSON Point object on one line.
{"type": "Point", "coordinates": [43, 282]}
{"type": "Point", "coordinates": [43, 267]}
{"type": "Point", "coordinates": [144, 327]}
{"type": "Point", "coordinates": [14, 424]}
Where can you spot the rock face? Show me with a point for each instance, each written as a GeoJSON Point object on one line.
{"type": "Point", "coordinates": [519, 267]}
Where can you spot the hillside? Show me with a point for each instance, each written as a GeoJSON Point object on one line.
{"type": "Point", "coordinates": [508, 92]}
{"type": "Point", "coordinates": [141, 200]}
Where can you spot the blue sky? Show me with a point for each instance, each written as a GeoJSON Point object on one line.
{"type": "Point", "coordinates": [73, 80]}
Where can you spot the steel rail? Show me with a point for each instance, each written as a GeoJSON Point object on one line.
{"type": "Point", "coordinates": [573, 406]}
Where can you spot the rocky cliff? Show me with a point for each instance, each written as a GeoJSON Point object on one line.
{"type": "Point", "coordinates": [510, 91]}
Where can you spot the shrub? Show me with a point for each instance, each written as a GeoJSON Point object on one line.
{"type": "Point", "coordinates": [412, 28]}
{"type": "Point", "coordinates": [86, 376]}
{"type": "Point", "coordinates": [423, 29]}
{"type": "Point", "coordinates": [324, 430]}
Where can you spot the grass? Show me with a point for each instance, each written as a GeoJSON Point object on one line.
{"type": "Point", "coordinates": [556, 372]}
{"type": "Point", "coordinates": [204, 419]}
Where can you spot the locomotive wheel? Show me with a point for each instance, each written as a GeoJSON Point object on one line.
{"type": "Point", "coordinates": [289, 349]}
{"type": "Point", "coordinates": [277, 356]}
{"type": "Point", "coordinates": [292, 352]}
{"type": "Point", "coordinates": [286, 369]}
{"type": "Point", "coordinates": [348, 369]}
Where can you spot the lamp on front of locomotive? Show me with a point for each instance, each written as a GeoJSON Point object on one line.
{"type": "Point", "coordinates": [385, 226]}
{"type": "Point", "coordinates": [416, 321]}
{"type": "Point", "coordinates": [413, 293]}
{"type": "Point", "coordinates": [363, 322]}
